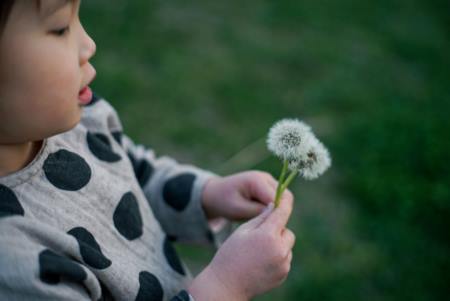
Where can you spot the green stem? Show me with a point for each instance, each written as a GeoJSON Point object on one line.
{"type": "Point", "coordinates": [282, 187]}
{"type": "Point", "coordinates": [288, 181]}
{"type": "Point", "coordinates": [280, 183]}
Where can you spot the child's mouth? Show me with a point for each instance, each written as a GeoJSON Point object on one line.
{"type": "Point", "coordinates": [85, 95]}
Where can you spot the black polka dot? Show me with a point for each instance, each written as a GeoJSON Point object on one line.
{"type": "Point", "coordinates": [127, 218]}
{"type": "Point", "coordinates": [172, 237]}
{"type": "Point", "coordinates": [209, 236]}
{"type": "Point", "coordinates": [54, 267]}
{"type": "Point", "coordinates": [150, 288]}
{"type": "Point", "coordinates": [172, 257]}
{"type": "Point", "coordinates": [9, 204]}
{"type": "Point", "coordinates": [182, 296]}
{"type": "Point", "coordinates": [89, 248]}
{"type": "Point", "coordinates": [142, 169]}
{"type": "Point", "coordinates": [95, 98]}
{"type": "Point", "coordinates": [117, 135]}
{"type": "Point", "coordinates": [177, 191]}
{"type": "Point", "coordinates": [100, 146]}
{"type": "Point", "coordinates": [67, 170]}
{"type": "Point", "coordinates": [106, 293]}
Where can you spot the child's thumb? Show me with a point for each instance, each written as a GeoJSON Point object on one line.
{"type": "Point", "coordinates": [259, 219]}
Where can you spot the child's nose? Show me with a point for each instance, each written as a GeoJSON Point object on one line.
{"type": "Point", "coordinates": [88, 47]}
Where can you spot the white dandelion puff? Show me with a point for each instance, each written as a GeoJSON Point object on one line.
{"type": "Point", "coordinates": [288, 138]}
{"type": "Point", "coordinates": [301, 152]}
{"type": "Point", "coordinates": [314, 162]}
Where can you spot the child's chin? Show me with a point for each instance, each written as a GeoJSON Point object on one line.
{"type": "Point", "coordinates": [74, 124]}
{"type": "Point", "coordinates": [70, 124]}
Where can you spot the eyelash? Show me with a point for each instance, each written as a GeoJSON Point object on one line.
{"type": "Point", "coordinates": [61, 32]}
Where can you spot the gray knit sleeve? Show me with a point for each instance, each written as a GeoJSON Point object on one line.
{"type": "Point", "coordinates": [173, 190]}
{"type": "Point", "coordinates": [183, 296]}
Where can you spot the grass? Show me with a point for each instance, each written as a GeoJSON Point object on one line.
{"type": "Point", "coordinates": [202, 80]}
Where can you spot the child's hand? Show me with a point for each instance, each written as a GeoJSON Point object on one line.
{"type": "Point", "coordinates": [254, 259]}
{"type": "Point", "coordinates": [239, 196]}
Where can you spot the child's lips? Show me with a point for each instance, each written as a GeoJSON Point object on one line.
{"type": "Point", "coordinates": [85, 95]}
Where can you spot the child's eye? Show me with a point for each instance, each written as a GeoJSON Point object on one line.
{"type": "Point", "coordinates": [61, 32]}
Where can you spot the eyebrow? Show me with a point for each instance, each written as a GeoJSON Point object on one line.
{"type": "Point", "coordinates": [53, 7]}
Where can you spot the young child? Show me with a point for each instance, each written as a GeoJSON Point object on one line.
{"type": "Point", "coordinates": [85, 214]}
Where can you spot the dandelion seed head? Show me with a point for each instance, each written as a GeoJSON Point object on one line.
{"type": "Point", "coordinates": [293, 141]}
{"type": "Point", "coordinates": [287, 138]}
{"type": "Point", "coordinates": [315, 162]}
{"type": "Point", "coordinates": [295, 164]}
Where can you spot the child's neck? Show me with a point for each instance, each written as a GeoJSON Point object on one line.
{"type": "Point", "coordinates": [14, 157]}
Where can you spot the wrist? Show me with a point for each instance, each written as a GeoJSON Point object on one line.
{"type": "Point", "coordinates": [208, 198]}
{"type": "Point", "coordinates": [208, 286]}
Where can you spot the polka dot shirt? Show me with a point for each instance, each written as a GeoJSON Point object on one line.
{"type": "Point", "coordinates": [94, 216]}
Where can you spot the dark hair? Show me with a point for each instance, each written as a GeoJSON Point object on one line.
{"type": "Point", "coordinates": [5, 10]}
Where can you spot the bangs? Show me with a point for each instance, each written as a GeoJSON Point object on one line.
{"type": "Point", "coordinates": [5, 10]}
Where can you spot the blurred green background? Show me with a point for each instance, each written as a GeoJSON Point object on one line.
{"type": "Point", "coordinates": [204, 80]}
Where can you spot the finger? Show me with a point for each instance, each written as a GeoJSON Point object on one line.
{"type": "Point", "coordinates": [249, 209]}
{"type": "Point", "coordinates": [272, 182]}
{"type": "Point", "coordinates": [261, 191]}
{"type": "Point", "coordinates": [256, 221]}
{"type": "Point", "coordinates": [289, 259]}
{"type": "Point", "coordinates": [287, 194]}
{"type": "Point", "coordinates": [286, 266]}
{"type": "Point", "coordinates": [289, 238]}
{"type": "Point", "coordinates": [280, 216]}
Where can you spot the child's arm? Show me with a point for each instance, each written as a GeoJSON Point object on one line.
{"type": "Point", "coordinates": [174, 190]}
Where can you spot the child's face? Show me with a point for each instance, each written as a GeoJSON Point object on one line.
{"type": "Point", "coordinates": [43, 67]}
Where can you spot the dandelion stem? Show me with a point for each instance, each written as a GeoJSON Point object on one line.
{"type": "Point", "coordinates": [288, 181]}
{"type": "Point", "coordinates": [280, 183]}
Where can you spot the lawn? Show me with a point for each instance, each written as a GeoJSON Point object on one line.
{"type": "Point", "coordinates": [203, 81]}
